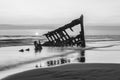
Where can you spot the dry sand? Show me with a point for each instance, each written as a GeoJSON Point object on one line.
{"type": "Point", "coordinates": [71, 72]}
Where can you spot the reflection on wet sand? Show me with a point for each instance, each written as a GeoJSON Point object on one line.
{"type": "Point", "coordinates": [78, 57]}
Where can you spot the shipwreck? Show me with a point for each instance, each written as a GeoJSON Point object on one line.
{"type": "Point", "coordinates": [60, 38]}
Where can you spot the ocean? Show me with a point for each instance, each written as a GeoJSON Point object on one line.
{"type": "Point", "coordinates": [99, 49]}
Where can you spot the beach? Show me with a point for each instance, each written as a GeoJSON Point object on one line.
{"type": "Point", "coordinates": [59, 39]}
{"type": "Point", "coordinates": [99, 60]}
{"type": "Point", "coordinates": [72, 72]}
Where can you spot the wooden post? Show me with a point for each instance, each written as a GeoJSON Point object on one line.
{"type": "Point", "coordinates": [64, 35]}
{"type": "Point", "coordinates": [55, 39]}
{"type": "Point", "coordinates": [47, 37]}
{"type": "Point", "coordinates": [51, 38]}
{"type": "Point", "coordinates": [67, 34]}
{"type": "Point", "coordinates": [61, 36]}
{"type": "Point", "coordinates": [57, 35]}
{"type": "Point", "coordinates": [82, 32]}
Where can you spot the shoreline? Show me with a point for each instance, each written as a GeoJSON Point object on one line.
{"type": "Point", "coordinates": [87, 71]}
{"type": "Point", "coordinates": [12, 45]}
{"type": "Point", "coordinates": [97, 68]}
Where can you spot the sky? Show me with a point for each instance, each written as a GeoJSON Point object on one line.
{"type": "Point", "coordinates": [98, 14]}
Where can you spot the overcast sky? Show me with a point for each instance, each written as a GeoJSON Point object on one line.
{"type": "Point", "coordinates": [40, 12]}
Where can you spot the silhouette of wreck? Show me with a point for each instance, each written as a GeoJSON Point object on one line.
{"type": "Point", "coordinates": [60, 37]}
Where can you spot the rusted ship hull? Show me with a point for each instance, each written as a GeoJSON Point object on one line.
{"type": "Point", "coordinates": [59, 37]}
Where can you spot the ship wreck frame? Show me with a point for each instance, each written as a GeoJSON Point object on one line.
{"type": "Point", "coordinates": [60, 38]}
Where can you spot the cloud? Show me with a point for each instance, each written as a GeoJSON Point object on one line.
{"type": "Point", "coordinates": [96, 12]}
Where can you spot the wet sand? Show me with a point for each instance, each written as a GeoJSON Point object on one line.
{"type": "Point", "coordinates": [103, 53]}
{"type": "Point", "coordinates": [71, 72]}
